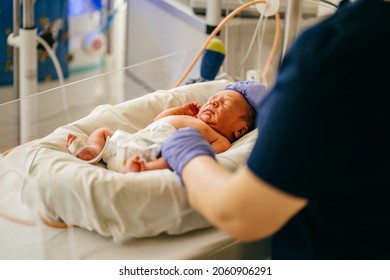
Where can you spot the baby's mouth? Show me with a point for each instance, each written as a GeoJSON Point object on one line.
{"type": "Point", "coordinates": [209, 111]}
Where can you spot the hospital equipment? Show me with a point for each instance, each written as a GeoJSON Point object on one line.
{"type": "Point", "coordinates": [145, 214]}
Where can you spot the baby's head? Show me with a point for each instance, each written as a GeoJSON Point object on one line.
{"type": "Point", "coordinates": [232, 111]}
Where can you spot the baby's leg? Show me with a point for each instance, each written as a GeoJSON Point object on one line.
{"type": "Point", "coordinates": [159, 163]}
{"type": "Point", "coordinates": [95, 143]}
{"type": "Point", "coordinates": [136, 164]}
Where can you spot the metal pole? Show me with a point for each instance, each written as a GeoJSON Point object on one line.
{"type": "Point", "coordinates": [16, 24]}
{"type": "Point", "coordinates": [213, 15]}
{"type": "Point", "coordinates": [28, 72]}
{"type": "Point", "coordinates": [28, 14]}
{"type": "Point", "coordinates": [16, 81]}
{"type": "Point", "coordinates": [292, 18]}
{"type": "Point", "coordinates": [110, 7]}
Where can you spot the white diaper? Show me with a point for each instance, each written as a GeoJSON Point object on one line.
{"type": "Point", "coordinates": [146, 143]}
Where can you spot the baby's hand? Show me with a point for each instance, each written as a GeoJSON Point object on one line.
{"type": "Point", "coordinates": [191, 109]}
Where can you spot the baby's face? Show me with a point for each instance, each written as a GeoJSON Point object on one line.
{"type": "Point", "coordinates": [223, 112]}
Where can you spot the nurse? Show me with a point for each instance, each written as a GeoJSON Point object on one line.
{"type": "Point", "coordinates": [317, 179]}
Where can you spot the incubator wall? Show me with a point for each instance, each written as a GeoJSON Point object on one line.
{"type": "Point", "coordinates": [35, 116]}
{"type": "Point", "coordinates": [24, 236]}
{"type": "Point", "coordinates": [41, 113]}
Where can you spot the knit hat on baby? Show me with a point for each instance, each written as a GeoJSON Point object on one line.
{"type": "Point", "coordinates": [253, 92]}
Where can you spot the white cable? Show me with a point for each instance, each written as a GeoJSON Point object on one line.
{"type": "Point", "coordinates": [59, 72]}
{"type": "Point", "coordinates": [260, 41]}
{"type": "Point", "coordinates": [259, 23]}
{"type": "Point", "coordinates": [3, 174]}
{"type": "Point", "coordinates": [53, 57]}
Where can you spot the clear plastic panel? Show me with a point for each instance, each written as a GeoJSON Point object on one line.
{"type": "Point", "coordinates": [35, 116]}
{"type": "Point", "coordinates": [23, 234]}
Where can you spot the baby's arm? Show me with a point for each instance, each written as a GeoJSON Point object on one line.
{"type": "Point", "coordinates": [220, 145]}
{"type": "Point", "coordinates": [189, 109]}
{"type": "Point", "coordinates": [217, 141]}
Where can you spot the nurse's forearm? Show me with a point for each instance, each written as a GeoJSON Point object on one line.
{"type": "Point", "coordinates": [206, 182]}
{"type": "Point", "coordinates": [240, 203]}
{"type": "Point", "coordinates": [204, 178]}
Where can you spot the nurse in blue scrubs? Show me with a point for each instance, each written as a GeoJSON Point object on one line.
{"type": "Point", "coordinates": [317, 179]}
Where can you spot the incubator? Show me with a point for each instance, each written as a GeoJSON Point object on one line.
{"type": "Point", "coordinates": [54, 205]}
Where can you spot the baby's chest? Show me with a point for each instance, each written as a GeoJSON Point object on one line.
{"type": "Point", "coordinates": [187, 121]}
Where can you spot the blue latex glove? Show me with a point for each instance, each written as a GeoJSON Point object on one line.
{"type": "Point", "coordinates": [184, 145]}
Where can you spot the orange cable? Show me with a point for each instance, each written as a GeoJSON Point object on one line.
{"type": "Point", "coordinates": [16, 219]}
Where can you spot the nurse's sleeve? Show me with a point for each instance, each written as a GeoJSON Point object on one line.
{"type": "Point", "coordinates": [303, 123]}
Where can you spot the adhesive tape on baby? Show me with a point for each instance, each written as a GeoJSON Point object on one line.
{"type": "Point", "coordinates": [268, 9]}
{"type": "Point", "coordinates": [95, 42]}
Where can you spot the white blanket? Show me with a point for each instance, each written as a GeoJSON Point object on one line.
{"type": "Point", "coordinates": [113, 204]}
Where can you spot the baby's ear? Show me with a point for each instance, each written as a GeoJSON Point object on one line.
{"type": "Point", "coordinates": [240, 132]}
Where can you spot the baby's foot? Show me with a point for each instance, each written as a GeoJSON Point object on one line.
{"type": "Point", "coordinates": [135, 164]}
{"type": "Point", "coordinates": [81, 150]}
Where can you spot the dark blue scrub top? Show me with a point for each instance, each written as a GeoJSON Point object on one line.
{"type": "Point", "coordinates": [324, 134]}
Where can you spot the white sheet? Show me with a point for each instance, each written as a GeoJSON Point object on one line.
{"type": "Point", "coordinates": [123, 206]}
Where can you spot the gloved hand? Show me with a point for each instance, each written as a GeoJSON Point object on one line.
{"type": "Point", "coordinates": [184, 145]}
